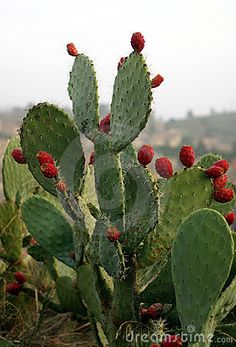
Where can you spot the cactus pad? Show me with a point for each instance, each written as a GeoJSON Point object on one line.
{"type": "Point", "coordinates": [131, 102]}
{"type": "Point", "coordinates": [201, 260]}
{"type": "Point", "coordinates": [185, 192]}
{"type": "Point", "coordinates": [17, 179]}
{"type": "Point", "coordinates": [141, 206]}
{"type": "Point", "coordinates": [83, 93]}
{"type": "Point", "coordinates": [50, 129]}
{"type": "Point", "coordinates": [69, 296]}
{"type": "Point", "coordinates": [49, 227]}
{"type": "Point", "coordinates": [208, 160]}
{"type": "Point", "coordinates": [105, 252]}
{"type": "Point", "coordinates": [11, 231]}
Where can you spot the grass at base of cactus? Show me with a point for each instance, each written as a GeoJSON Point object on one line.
{"type": "Point", "coordinates": [56, 329]}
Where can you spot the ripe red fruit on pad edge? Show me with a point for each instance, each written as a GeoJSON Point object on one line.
{"type": "Point", "coordinates": [222, 163]}
{"type": "Point", "coordinates": [145, 154]}
{"type": "Point", "coordinates": [18, 156]}
{"type": "Point", "coordinates": [187, 156]}
{"type": "Point", "coordinates": [230, 217]}
{"type": "Point", "coordinates": [164, 167]}
{"type": "Point", "coordinates": [113, 234]}
{"type": "Point", "coordinates": [157, 81]}
{"type": "Point", "coordinates": [223, 195]}
{"type": "Point", "coordinates": [137, 42]}
{"type": "Point", "coordinates": [214, 171]}
{"type": "Point", "coordinates": [220, 182]}
{"type": "Point", "coordinates": [49, 170]}
{"type": "Point", "coordinates": [72, 50]}
{"type": "Point", "coordinates": [44, 158]}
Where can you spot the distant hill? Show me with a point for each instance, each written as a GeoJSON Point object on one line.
{"type": "Point", "coordinates": [221, 126]}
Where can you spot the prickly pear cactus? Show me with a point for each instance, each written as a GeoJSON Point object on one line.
{"type": "Point", "coordinates": [149, 252]}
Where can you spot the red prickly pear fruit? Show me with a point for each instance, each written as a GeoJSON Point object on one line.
{"type": "Point", "coordinates": [222, 163]}
{"type": "Point", "coordinates": [155, 345]}
{"type": "Point", "coordinates": [61, 186]}
{"type": "Point", "coordinates": [157, 81]}
{"type": "Point", "coordinates": [113, 234]}
{"type": "Point", "coordinates": [18, 156]}
{"type": "Point", "coordinates": [49, 170]}
{"type": "Point", "coordinates": [172, 341]}
{"type": "Point", "coordinates": [13, 288]}
{"type": "Point", "coordinates": [33, 242]}
{"type": "Point", "coordinates": [20, 277]}
{"type": "Point", "coordinates": [121, 62]}
{"type": "Point", "coordinates": [145, 154]}
{"type": "Point", "coordinates": [230, 218]}
{"type": "Point", "coordinates": [137, 42]}
{"type": "Point", "coordinates": [223, 195]}
{"type": "Point", "coordinates": [220, 182]}
{"type": "Point", "coordinates": [91, 159]}
{"type": "Point", "coordinates": [155, 310]}
{"type": "Point", "coordinates": [105, 124]}
{"type": "Point", "coordinates": [187, 155]}
{"type": "Point", "coordinates": [164, 167]}
{"type": "Point", "coordinates": [71, 49]}
{"type": "Point", "coordinates": [214, 171]}
{"type": "Point", "coordinates": [143, 313]}
{"type": "Point", "coordinates": [44, 158]}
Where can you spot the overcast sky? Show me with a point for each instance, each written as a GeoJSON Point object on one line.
{"type": "Point", "coordinates": [192, 43]}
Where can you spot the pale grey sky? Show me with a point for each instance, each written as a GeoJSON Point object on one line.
{"type": "Point", "coordinates": [192, 43]}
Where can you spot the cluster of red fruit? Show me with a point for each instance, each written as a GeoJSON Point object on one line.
{"type": "Point", "coordinates": [14, 288]}
{"type": "Point", "coordinates": [187, 156]}
{"type": "Point", "coordinates": [137, 43]}
{"type": "Point", "coordinates": [47, 166]}
{"type": "Point", "coordinates": [152, 312]}
{"type": "Point", "coordinates": [218, 174]}
{"type": "Point", "coordinates": [163, 165]}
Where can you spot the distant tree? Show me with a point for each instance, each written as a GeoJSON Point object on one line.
{"type": "Point", "coordinates": [190, 114]}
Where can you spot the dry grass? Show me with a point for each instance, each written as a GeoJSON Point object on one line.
{"type": "Point", "coordinates": [29, 329]}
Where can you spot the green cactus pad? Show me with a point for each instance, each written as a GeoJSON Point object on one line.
{"type": "Point", "coordinates": [11, 231]}
{"type": "Point", "coordinates": [83, 93]}
{"type": "Point", "coordinates": [49, 227]}
{"type": "Point", "coordinates": [39, 253]}
{"type": "Point", "coordinates": [109, 183]}
{"type": "Point", "coordinates": [87, 287]}
{"type": "Point", "coordinates": [141, 203]}
{"type": "Point", "coordinates": [207, 160]}
{"type": "Point", "coordinates": [104, 252]}
{"type": "Point", "coordinates": [17, 179]}
{"type": "Point", "coordinates": [161, 289]}
{"type": "Point", "coordinates": [225, 304]}
{"type": "Point", "coordinates": [88, 191]}
{"type": "Point", "coordinates": [69, 295]}
{"type": "Point", "coordinates": [185, 192]}
{"type": "Point", "coordinates": [131, 102]}
{"type": "Point", "coordinates": [202, 255]}
{"type": "Point", "coordinates": [50, 129]}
